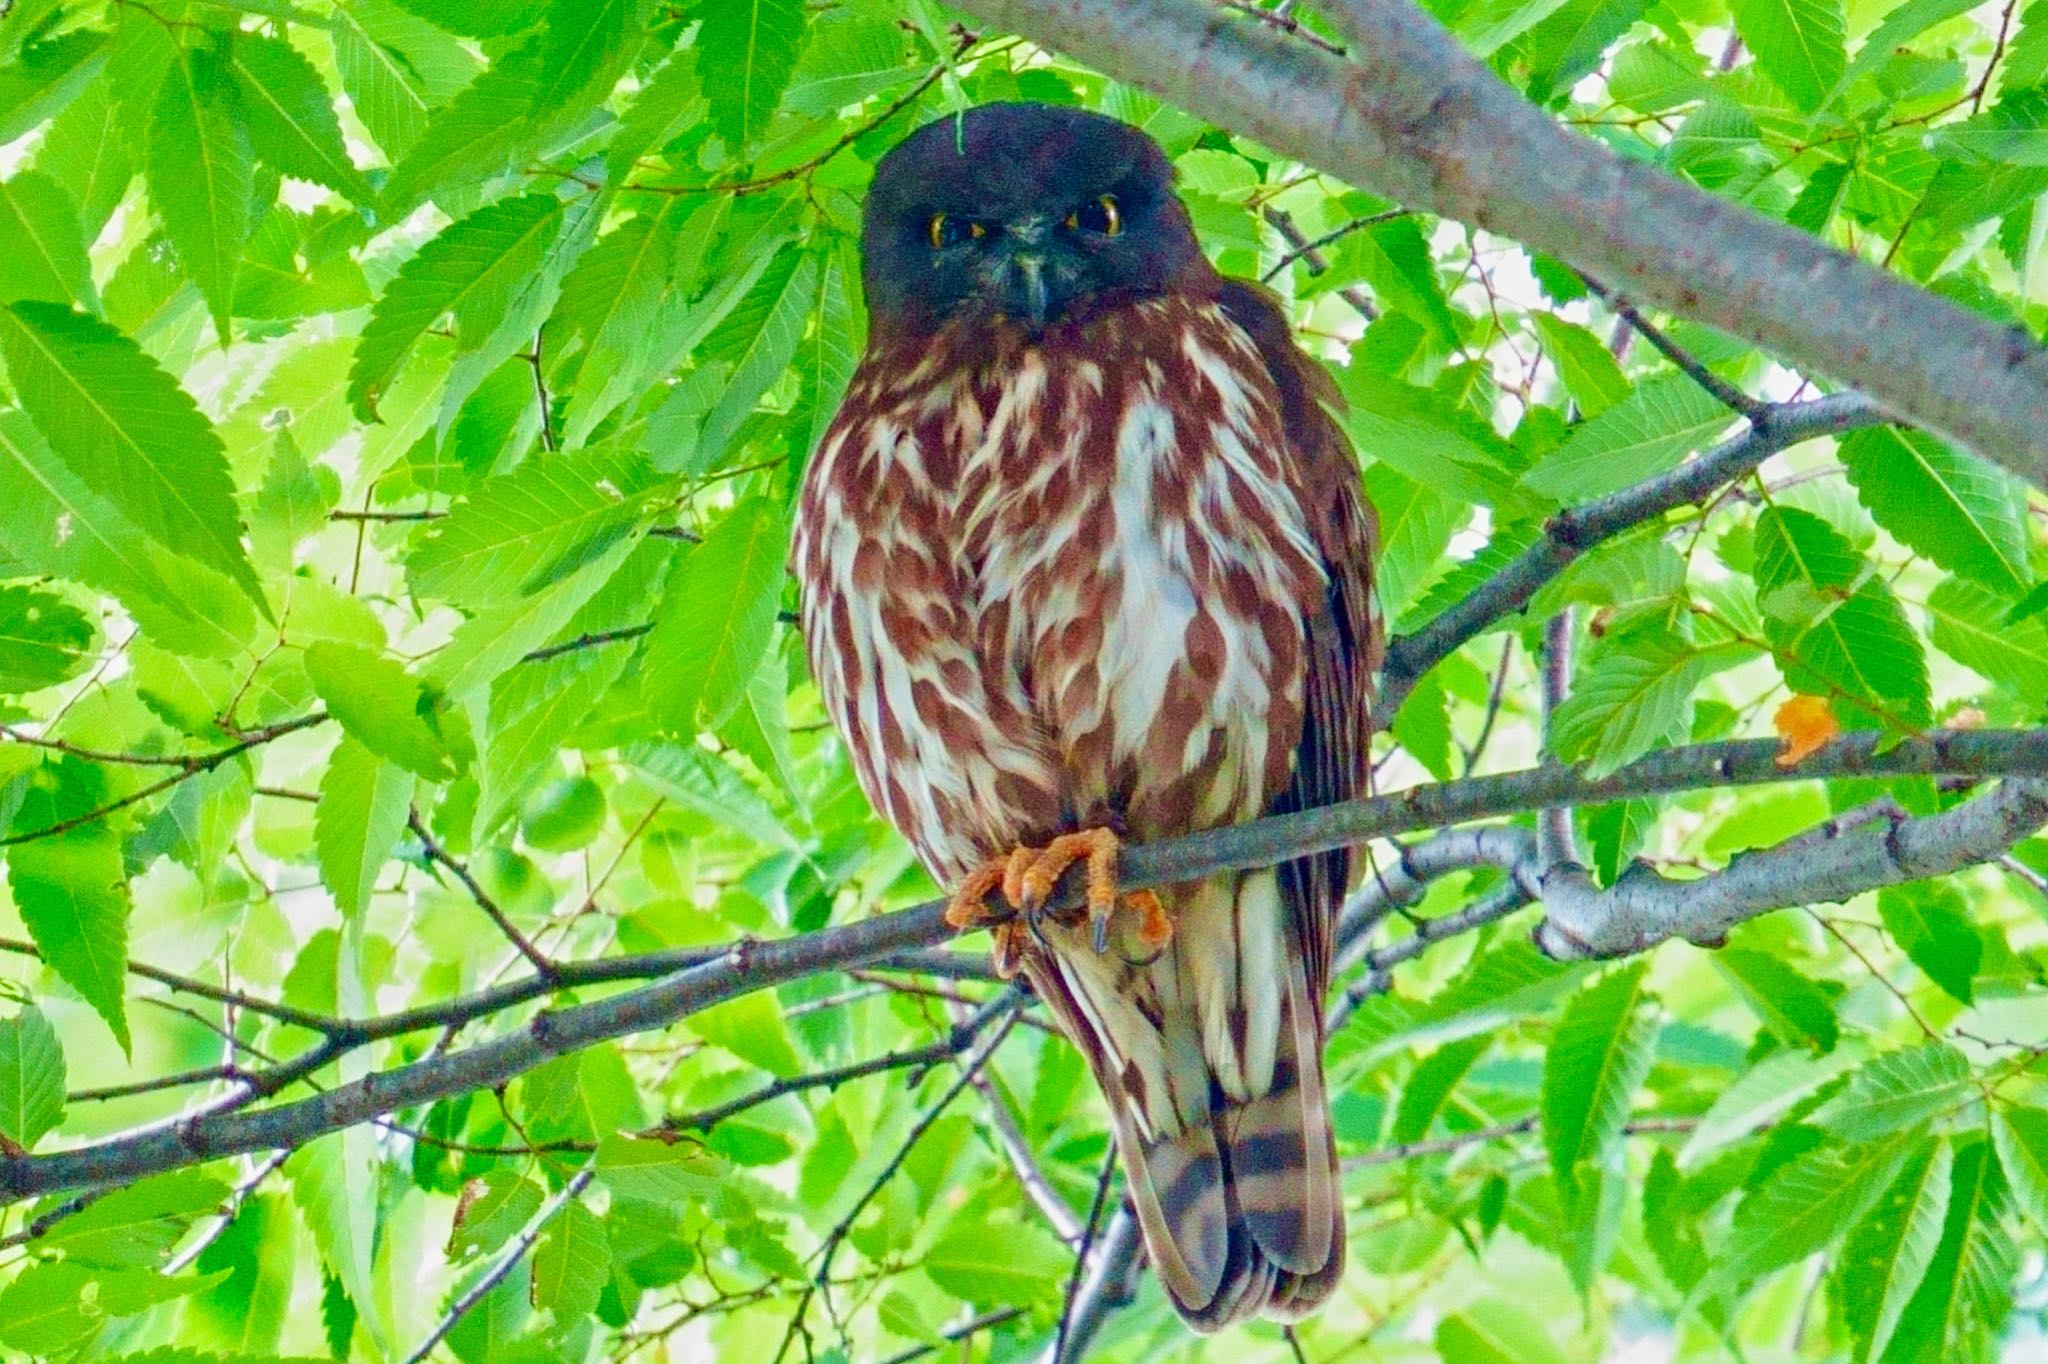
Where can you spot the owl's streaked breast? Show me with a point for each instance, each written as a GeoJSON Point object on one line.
{"type": "Point", "coordinates": [1071, 568]}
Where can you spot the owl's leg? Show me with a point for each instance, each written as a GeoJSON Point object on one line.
{"type": "Point", "coordinates": [1100, 847]}
{"type": "Point", "coordinates": [968, 906]}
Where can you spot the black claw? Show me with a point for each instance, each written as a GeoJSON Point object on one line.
{"type": "Point", "coordinates": [1101, 934]}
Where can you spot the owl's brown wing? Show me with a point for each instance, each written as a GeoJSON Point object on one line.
{"type": "Point", "coordinates": [1346, 641]}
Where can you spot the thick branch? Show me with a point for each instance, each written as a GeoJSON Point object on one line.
{"type": "Point", "coordinates": [1412, 117]}
{"type": "Point", "coordinates": [750, 966]}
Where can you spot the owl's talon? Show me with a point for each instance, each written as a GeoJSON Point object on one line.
{"type": "Point", "coordinates": [968, 906]}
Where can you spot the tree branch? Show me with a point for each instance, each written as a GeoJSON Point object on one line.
{"type": "Point", "coordinates": [1572, 532]}
{"type": "Point", "coordinates": [1412, 117]}
{"type": "Point", "coordinates": [748, 966]}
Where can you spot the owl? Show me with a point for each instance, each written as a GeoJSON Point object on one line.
{"type": "Point", "coordinates": [1085, 558]}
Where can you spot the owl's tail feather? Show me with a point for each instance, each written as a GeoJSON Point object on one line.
{"type": "Point", "coordinates": [1244, 1216]}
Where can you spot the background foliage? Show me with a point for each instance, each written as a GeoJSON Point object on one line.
{"type": "Point", "coordinates": [401, 412]}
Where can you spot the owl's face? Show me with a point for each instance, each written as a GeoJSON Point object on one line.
{"type": "Point", "coordinates": [1030, 213]}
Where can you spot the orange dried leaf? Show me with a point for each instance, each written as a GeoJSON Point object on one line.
{"type": "Point", "coordinates": [1805, 724]}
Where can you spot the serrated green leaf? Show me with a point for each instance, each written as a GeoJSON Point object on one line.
{"type": "Point", "coordinates": [139, 1224]}
{"type": "Point", "coordinates": [477, 135]}
{"type": "Point", "coordinates": [530, 712]}
{"type": "Point", "coordinates": [1931, 926]}
{"type": "Point", "coordinates": [1021, 1265]}
{"type": "Point", "coordinates": [42, 76]}
{"type": "Point", "coordinates": [85, 152]}
{"type": "Point", "coordinates": [334, 1184]}
{"type": "Point", "coordinates": [289, 115]}
{"type": "Point", "coordinates": [1413, 430]}
{"type": "Point", "coordinates": [1964, 1297]}
{"type": "Point", "coordinates": [1971, 626]}
{"type": "Point", "coordinates": [1806, 1204]}
{"type": "Point", "coordinates": [1896, 1091]}
{"type": "Point", "coordinates": [397, 70]}
{"type": "Point", "coordinates": [380, 705]}
{"type": "Point", "coordinates": [1495, 1332]}
{"type": "Point", "coordinates": [45, 258]}
{"type": "Point", "coordinates": [667, 1173]}
{"type": "Point", "coordinates": [746, 52]}
{"type": "Point", "coordinates": [1886, 1255]}
{"type": "Point", "coordinates": [54, 1305]}
{"type": "Point", "coordinates": [72, 892]}
{"type": "Point", "coordinates": [756, 343]}
{"type": "Point", "coordinates": [1416, 525]}
{"type": "Point", "coordinates": [2021, 1135]}
{"type": "Point", "coordinates": [1963, 514]}
{"type": "Point", "coordinates": [1800, 44]}
{"type": "Point", "coordinates": [468, 273]}
{"type": "Point", "coordinates": [1835, 627]}
{"type": "Point", "coordinates": [1645, 433]}
{"type": "Point", "coordinates": [522, 532]}
{"type": "Point", "coordinates": [1796, 1009]}
{"type": "Point", "coordinates": [31, 1078]}
{"type": "Point", "coordinates": [1596, 1061]}
{"type": "Point", "coordinates": [201, 174]}
{"type": "Point", "coordinates": [1587, 367]}
{"type": "Point", "coordinates": [610, 303]}
{"type": "Point", "coordinates": [1426, 1091]}
{"type": "Point", "coordinates": [126, 428]}
{"type": "Point", "coordinates": [1633, 694]}
{"type": "Point", "coordinates": [43, 640]}
{"type": "Point", "coordinates": [1759, 1097]}
{"type": "Point", "coordinates": [493, 1209]}
{"type": "Point", "coordinates": [717, 619]}
{"type": "Point", "coordinates": [572, 1261]}
{"type": "Point", "coordinates": [364, 800]}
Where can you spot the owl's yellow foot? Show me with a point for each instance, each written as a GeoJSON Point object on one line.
{"type": "Point", "coordinates": [1027, 878]}
{"type": "Point", "coordinates": [1034, 883]}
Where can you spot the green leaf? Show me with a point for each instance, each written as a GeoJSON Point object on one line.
{"type": "Point", "coordinates": [1414, 431]}
{"type": "Point", "coordinates": [1967, 1291]}
{"type": "Point", "coordinates": [85, 152]}
{"type": "Point", "coordinates": [1806, 1204]}
{"type": "Point", "coordinates": [1020, 1265]}
{"type": "Point", "coordinates": [610, 302]}
{"type": "Point", "coordinates": [746, 51]}
{"type": "Point", "coordinates": [1424, 1095]}
{"type": "Point", "coordinates": [43, 75]}
{"type": "Point", "coordinates": [1932, 927]}
{"type": "Point", "coordinates": [522, 532]}
{"type": "Point", "coordinates": [1970, 625]}
{"type": "Point", "coordinates": [31, 1078]}
{"type": "Point", "coordinates": [54, 1306]}
{"type": "Point", "coordinates": [362, 811]}
{"type": "Point", "coordinates": [530, 712]}
{"type": "Point", "coordinates": [751, 1028]}
{"type": "Point", "coordinates": [668, 1173]}
{"type": "Point", "coordinates": [492, 1210]}
{"type": "Point", "coordinates": [468, 273]}
{"type": "Point", "coordinates": [1958, 511]}
{"type": "Point", "coordinates": [289, 115]}
{"type": "Point", "coordinates": [1596, 1061]}
{"type": "Point", "coordinates": [1589, 370]}
{"type": "Point", "coordinates": [476, 136]}
{"type": "Point", "coordinates": [1899, 1090]}
{"type": "Point", "coordinates": [1492, 1331]}
{"type": "Point", "coordinates": [127, 429]}
{"type": "Point", "coordinates": [572, 1262]}
{"type": "Point", "coordinates": [1760, 1096]}
{"type": "Point", "coordinates": [396, 69]}
{"type": "Point", "coordinates": [1886, 1256]}
{"type": "Point", "coordinates": [585, 47]}
{"type": "Point", "coordinates": [202, 175]}
{"type": "Point", "coordinates": [1634, 693]}
{"type": "Point", "coordinates": [756, 342]}
{"type": "Point", "coordinates": [2021, 1135]}
{"type": "Point", "coordinates": [1645, 433]}
{"type": "Point", "coordinates": [139, 1224]}
{"type": "Point", "coordinates": [1416, 525]}
{"type": "Point", "coordinates": [380, 705]}
{"type": "Point", "coordinates": [43, 640]}
{"type": "Point", "coordinates": [1796, 1009]}
{"type": "Point", "coordinates": [45, 258]}
{"type": "Point", "coordinates": [72, 891]}
{"type": "Point", "coordinates": [1835, 627]}
{"type": "Point", "coordinates": [479, 18]}
{"type": "Point", "coordinates": [334, 1183]}
{"type": "Point", "coordinates": [1800, 44]}
{"type": "Point", "coordinates": [716, 621]}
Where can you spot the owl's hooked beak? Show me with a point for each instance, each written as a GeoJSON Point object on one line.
{"type": "Point", "coordinates": [1024, 290]}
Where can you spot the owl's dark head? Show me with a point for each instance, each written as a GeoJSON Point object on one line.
{"type": "Point", "coordinates": [1030, 213]}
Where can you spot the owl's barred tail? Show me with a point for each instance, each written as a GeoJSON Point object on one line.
{"type": "Point", "coordinates": [1243, 1217]}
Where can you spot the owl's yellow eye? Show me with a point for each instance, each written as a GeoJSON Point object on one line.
{"type": "Point", "coordinates": [1100, 217]}
{"type": "Point", "coordinates": [945, 229]}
